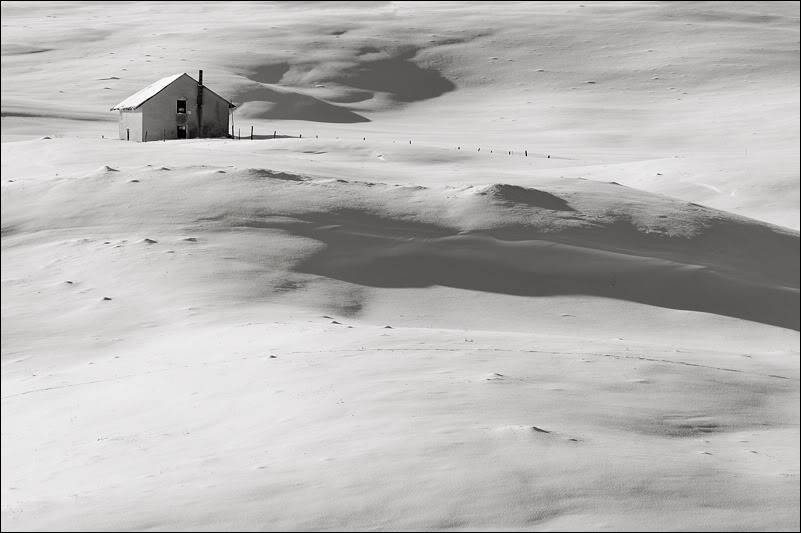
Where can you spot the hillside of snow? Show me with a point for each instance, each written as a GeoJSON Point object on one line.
{"type": "Point", "coordinates": [513, 266]}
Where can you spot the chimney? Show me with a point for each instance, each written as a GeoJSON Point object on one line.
{"type": "Point", "coordinates": [200, 103]}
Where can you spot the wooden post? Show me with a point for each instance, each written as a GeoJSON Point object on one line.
{"type": "Point", "coordinates": [251, 133]}
{"type": "Point", "coordinates": [239, 133]}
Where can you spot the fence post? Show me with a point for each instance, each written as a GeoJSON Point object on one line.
{"type": "Point", "coordinates": [239, 133]}
{"type": "Point", "coordinates": [251, 133]}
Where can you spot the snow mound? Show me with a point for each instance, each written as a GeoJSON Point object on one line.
{"type": "Point", "coordinates": [608, 241]}
{"type": "Point", "coordinates": [514, 194]}
{"type": "Point", "coordinates": [105, 169]}
{"type": "Point", "coordinates": [263, 173]}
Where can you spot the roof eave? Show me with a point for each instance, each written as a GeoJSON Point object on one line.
{"type": "Point", "coordinates": [140, 104]}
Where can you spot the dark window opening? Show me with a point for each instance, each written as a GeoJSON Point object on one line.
{"type": "Point", "coordinates": [182, 132]}
{"type": "Point", "coordinates": [182, 106]}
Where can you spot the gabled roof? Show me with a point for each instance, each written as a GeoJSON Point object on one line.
{"type": "Point", "coordinates": [142, 96]}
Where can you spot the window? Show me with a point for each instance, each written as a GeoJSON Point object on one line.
{"type": "Point", "coordinates": [182, 106]}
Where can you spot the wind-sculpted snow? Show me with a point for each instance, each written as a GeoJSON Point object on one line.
{"type": "Point", "coordinates": [463, 266]}
{"type": "Point", "coordinates": [577, 237]}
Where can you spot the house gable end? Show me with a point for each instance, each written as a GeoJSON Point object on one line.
{"type": "Point", "coordinates": [139, 98]}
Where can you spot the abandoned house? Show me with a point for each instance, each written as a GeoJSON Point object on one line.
{"type": "Point", "coordinates": [175, 107]}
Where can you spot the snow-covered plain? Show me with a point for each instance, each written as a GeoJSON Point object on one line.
{"type": "Point", "coordinates": [530, 266]}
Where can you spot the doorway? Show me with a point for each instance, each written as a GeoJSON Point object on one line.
{"type": "Point", "coordinates": [182, 132]}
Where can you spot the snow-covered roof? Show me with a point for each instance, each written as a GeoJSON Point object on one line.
{"type": "Point", "coordinates": [142, 96]}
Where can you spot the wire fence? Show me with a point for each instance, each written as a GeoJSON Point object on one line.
{"type": "Point", "coordinates": [276, 135]}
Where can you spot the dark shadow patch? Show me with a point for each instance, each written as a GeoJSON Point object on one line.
{"type": "Point", "coordinates": [351, 97]}
{"type": "Point", "coordinates": [513, 194]}
{"type": "Point", "coordinates": [397, 76]}
{"type": "Point", "coordinates": [271, 73]}
{"type": "Point", "coordinates": [292, 106]}
{"type": "Point", "coordinates": [263, 173]}
{"type": "Point", "coordinates": [366, 249]}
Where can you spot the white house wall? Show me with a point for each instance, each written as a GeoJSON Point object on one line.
{"type": "Point", "coordinates": [161, 119]}
{"type": "Point", "coordinates": [131, 124]}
